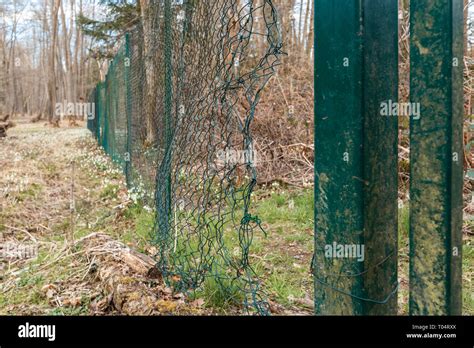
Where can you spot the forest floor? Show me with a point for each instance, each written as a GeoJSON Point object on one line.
{"type": "Point", "coordinates": [69, 235]}
{"type": "Point", "coordinates": [66, 229]}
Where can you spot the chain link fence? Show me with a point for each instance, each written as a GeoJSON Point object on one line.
{"type": "Point", "coordinates": [176, 111]}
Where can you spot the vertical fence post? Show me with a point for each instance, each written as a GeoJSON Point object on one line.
{"type": "Point", "coordinates": [97, 111]}
{"type": "Point", "coordinates": [102, 112]}
{"type": "Point", "coordinates": [380, 157]}
{"type": "Point", "coordinates": [355, 157]}
{"type": "Point", "coordinates": [436, 157]}
{"type": "Point", "coordinates": [106, 100]}
{"type": "Point", "coordinates": [128, 101]}
{"type": "Point", "coordinates": [338, 157]}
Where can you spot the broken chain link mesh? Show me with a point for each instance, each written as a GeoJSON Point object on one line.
{"type": "Point", "coordinates": [196, 73]}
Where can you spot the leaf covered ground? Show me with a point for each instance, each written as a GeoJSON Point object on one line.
{"type": "Point", "coordinates": [65, 218]}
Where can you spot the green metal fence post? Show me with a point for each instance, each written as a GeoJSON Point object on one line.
{"type": "Point", "coordinates": [97, 112]}
{"type": "Point", "coordinates": [380, 157]}
{"type": "Point", "coordinates": [436, 157]}
{"type": "Point", "coordinates": [102, 112]}
{"type": "Point", "coordinates": [338, 157]}
{"type": "Point", "coordinates": [128, 100]}
{"type": "Point", "coordinates": [355, 157]}
{"type": "Point", "coordinates": [105, 138]}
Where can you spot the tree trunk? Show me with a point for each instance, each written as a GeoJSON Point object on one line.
{"type": "Point", "coordinates": [147, 13]}
{"type": "Point", "coordinates": [52, 61]}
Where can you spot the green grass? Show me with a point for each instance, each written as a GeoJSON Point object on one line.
{"type": "Point", "coordinates": [295, 207]}
{"type": "Point", "coordinates": [82, 309]}
{"type": "Point", "coordinates": [143, 221]}
{"type": "Point", "coordinates": [50, 170]}
{"type": "Point", "coordinates": [403, 257]}
{"type": "Point", "coordinates": [27, 291]}
{"type": "Point", "coordinates": [468, 273]}
{"type": "Point", "coordinates": [285, 288]}
{"type": "Point", "coordinates": [403, 224]}
{"type": "Point", "coordinates": [29, 287]}
{"type": "Point", "coordinates": [31, 192]}
{"type": "Point", "coordinates": [110, 191]}
{"type": "Point", "coordinates": [220, 294]}
{"type": "Point", "coordinates": [282, 259]}
{"type": "Point", "coordinates": [70, 311]}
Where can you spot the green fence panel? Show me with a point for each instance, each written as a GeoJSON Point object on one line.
{"type": "Point", "coordinates": [112, 99]}
{"type": "Point", "coordinates": [355, 158]}
{"type": "Point", "coordinates": [436, 157]}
